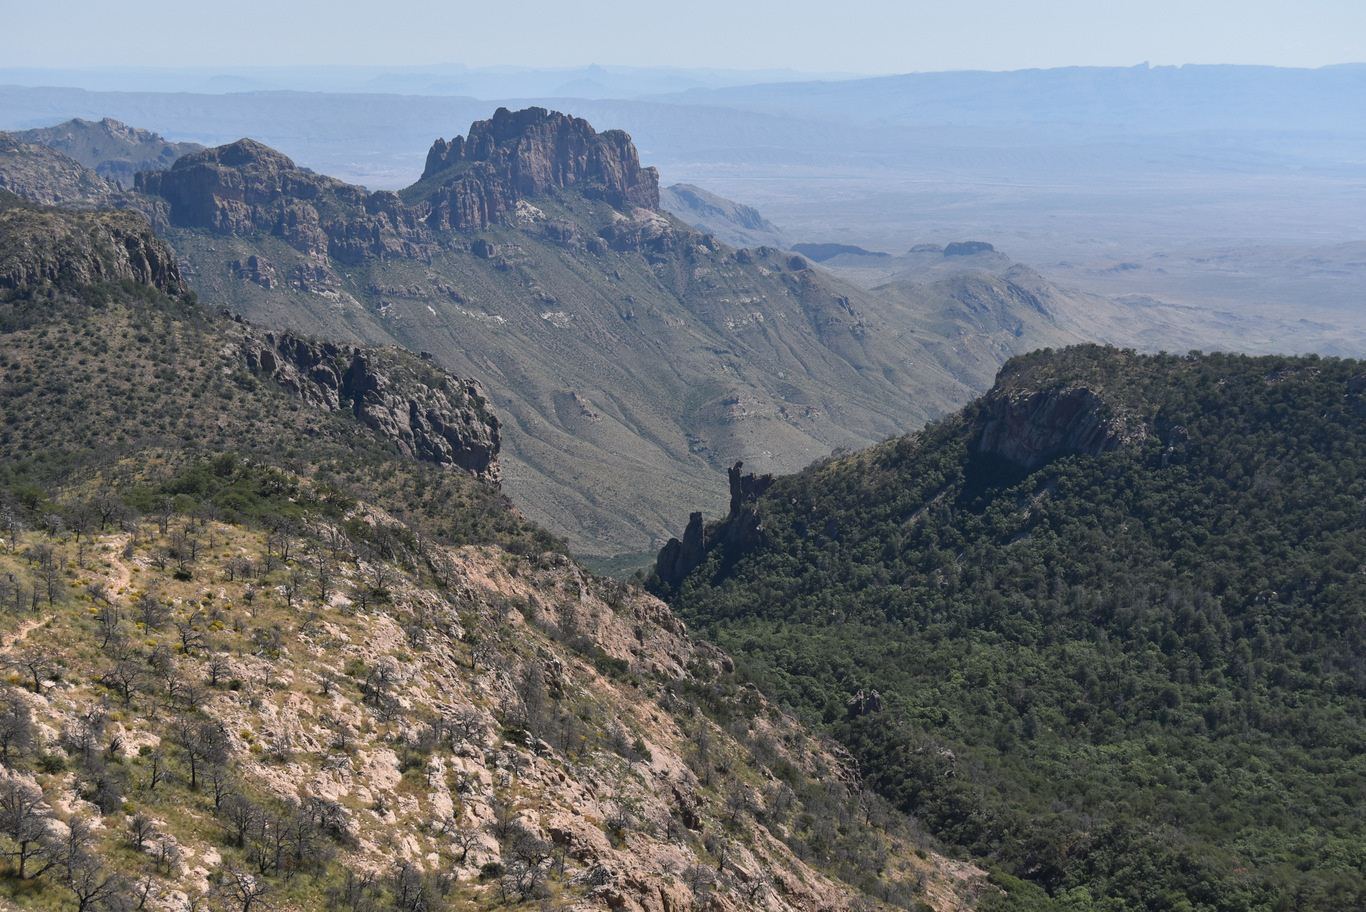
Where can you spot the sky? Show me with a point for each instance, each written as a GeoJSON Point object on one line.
{"type": "Point", "coordinates": [853, 36]}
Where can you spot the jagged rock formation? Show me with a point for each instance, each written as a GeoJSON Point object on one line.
{"type": "Point", "coordinates": [863, 703]}
{"type": "Point", "coordinates": [679, 558]}
{"type": "Point", "coordinates": [1030, 428]}
{"type": "Point", "coordinates": [742, 530]}
{"type": "Point", "coordinates": [530, 153]}
{"type": "Point", "coordinates": [429, 414]}
{"type": "Point", "coordinates": [48, 245]}
{"type": "Point", "coordinates": [115, 150]}
{"type": "Point", "coordinates": [746, 488]}
{"type": "Point", "coordinates": [47, 176]}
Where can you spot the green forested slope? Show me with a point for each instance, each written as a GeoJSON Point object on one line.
{"type": "Point", "coordinates": [1136, 679]}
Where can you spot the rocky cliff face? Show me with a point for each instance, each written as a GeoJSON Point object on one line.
{"type": "Point", "coordinates": [56, 245]}
{"type": "Point", "coordinates": [1030, 428]}
{"type": "Point", "coordinates": [246, 187]}
{"type": "Point", "coordinates": [532, 153]}
{"type": "Point", "coordinates": [428, 414]}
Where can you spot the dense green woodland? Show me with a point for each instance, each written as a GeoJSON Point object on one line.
{"type": "Point", "coordinates": [1135, 680]}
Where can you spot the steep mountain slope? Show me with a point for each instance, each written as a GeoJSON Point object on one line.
{"type": "Point", "coordinates": [272, 644]}
{"type": "Point", "coordinates": [115, 150]}
{"type": "Point", "coordinates": [633, 357]}
{"type": "Point", "coordinates": [1104, 625]}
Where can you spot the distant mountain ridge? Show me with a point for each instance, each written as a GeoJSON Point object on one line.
{"type": "Point", "coordinates": [734, 223]}
{"type": "Point", "coordinates": [115, 150]}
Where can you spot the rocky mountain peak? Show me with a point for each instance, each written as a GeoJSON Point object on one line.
{"type": "Point", "coordinates": [241, 154]}
{"type": "Point", "coordinates": [530, 153]}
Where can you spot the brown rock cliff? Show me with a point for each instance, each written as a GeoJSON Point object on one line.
{"type": "Point", "coordinates": [58, 245]}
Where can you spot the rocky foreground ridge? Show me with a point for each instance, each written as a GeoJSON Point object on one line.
{"type": "Point", "coordinates": [480, 732]}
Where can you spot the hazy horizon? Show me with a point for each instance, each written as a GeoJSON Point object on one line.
{"type": "Point", "coordinates": [862, 37]}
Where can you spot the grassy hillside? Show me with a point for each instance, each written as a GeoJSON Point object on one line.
{"type": "Point", "coordinates": [1130, 668]}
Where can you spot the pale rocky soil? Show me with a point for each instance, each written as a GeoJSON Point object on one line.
{"type": "Point", "coordinates": [300, 728]}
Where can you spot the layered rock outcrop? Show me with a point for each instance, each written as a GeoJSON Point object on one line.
{"type": "Point", "coordinates": [427, 413]}
{"type": "Point", "coordinates": [59, 245]}
{"type": "Point", "coordinates": [1032, 427]}
{"type": "Point", "coordinates": [530, 153]}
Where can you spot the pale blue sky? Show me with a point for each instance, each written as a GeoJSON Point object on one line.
{"type": "Point", "coordinates": [855, 36]}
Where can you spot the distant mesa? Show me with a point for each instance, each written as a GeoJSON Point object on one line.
{"type": "Point", "coordinates": [819, 253]}
{"type": "Point", "coordinates": [968, 248]}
